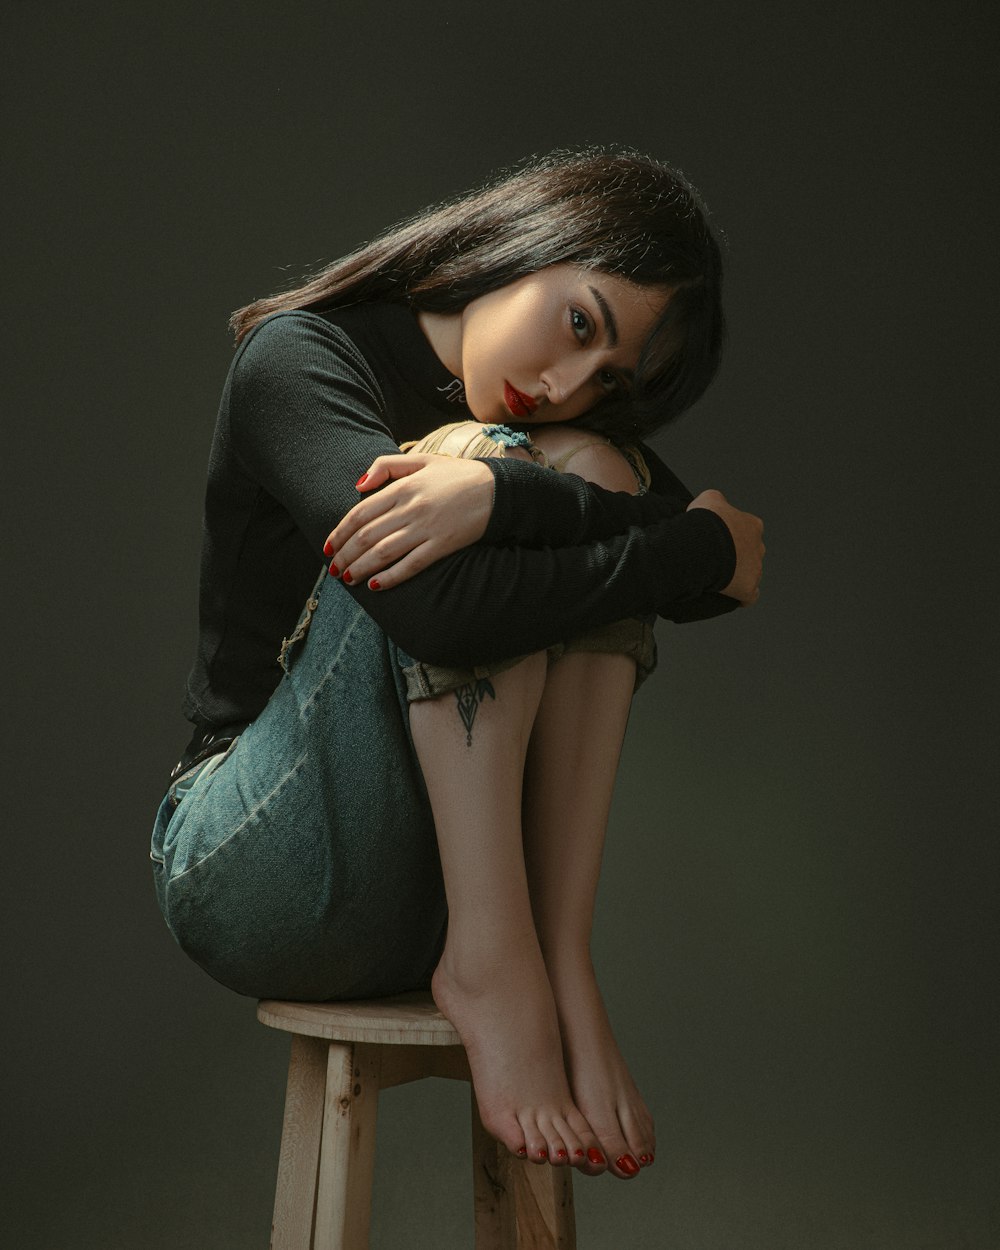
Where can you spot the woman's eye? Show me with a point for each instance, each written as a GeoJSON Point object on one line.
{"type": "Point", "coordinates": [579, 322]}
{"type": "Point", "coordinates": [608, 380]}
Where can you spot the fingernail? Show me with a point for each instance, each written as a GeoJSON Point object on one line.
{"type": "Point", "coordinates": [347, 576]}
{"type": "Point", "coordinates": [374, 584]}
{"type": "Point", "coordinates": [334, 571]}
{"type": "Point", "coordinates": [361, 481]}
{"type": "Point", "coordinates": [595, 1156]}
{"type": "Point", "coordinates": [627, 1165]}
{"type": "Point", "coordinates": [327, 549]}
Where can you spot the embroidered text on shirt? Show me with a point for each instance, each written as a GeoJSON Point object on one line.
{"type": "Point", "coordinates": [454, 391]}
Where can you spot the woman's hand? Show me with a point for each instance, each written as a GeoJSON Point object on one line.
{"type": "Point", "coordinates": [748, 538]}
{"type": "Point", "coordinates": [429, 506]}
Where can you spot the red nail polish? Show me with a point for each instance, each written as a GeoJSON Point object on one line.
{"type": "Point", "coordinates": [627, 1165]}
{"type": "Point", "coordinates": [577, 1154]}
{"type": "Point", "coordinates": [374, 584]}
{"type": "Point", "coordinates": [327, 549]}
{"type": "Point", "coordinates": [521, 1151]}
{"type": "Point", "coordinates": [333, 570]}
{"type": "Point", "coordinates": [561, 1154]}
{"type": "Point", "coordinates": [361, 481]}
{"type": "Point", "coordinates": [645, 1160]}
{"type": "Point", "coordinates": [542, 1154]}
{"type": "Point", "coordinates": [595, 1156]}
{"type": "Point", "coordinates": [347, 576]}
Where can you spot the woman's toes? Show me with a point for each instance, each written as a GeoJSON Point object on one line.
{"type": "Point", "coordinates": [596, 1161]}
{"type": "Point", "coordinates": [626, 1166]}
{"type": "Point", "coordinates": [646, 1159]}
{"type": "Point", "coordinates": [507, 1131]}
{"type": "Point", "coordinates": [622, 1161]}
{"type": "Point", "coordinates": [565, 1145]}
{"type": "Point", "coordinates": [536, 1146]}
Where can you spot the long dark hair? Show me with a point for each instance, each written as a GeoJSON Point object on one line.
{"type": "Point", "coordinates": [613, 210]}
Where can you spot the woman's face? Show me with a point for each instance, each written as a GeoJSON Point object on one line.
{"type": "Point", "coordinates": [553, 344]}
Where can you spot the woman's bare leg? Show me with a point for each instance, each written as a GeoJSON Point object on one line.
{"type": "Point", "coordinates": [570, 773]}
{"type": "Point", "coordinates": [569, 778]}
{"type": "Point", "coordinates": [491, 981]}
{"type": "Point", "coordinates": [494, 982]}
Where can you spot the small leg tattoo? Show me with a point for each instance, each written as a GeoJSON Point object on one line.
{"type": "Point", "coordinates": [468, 698]}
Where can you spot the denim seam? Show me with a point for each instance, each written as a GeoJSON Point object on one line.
{"type": "Point", "coordinates": [329, 671]}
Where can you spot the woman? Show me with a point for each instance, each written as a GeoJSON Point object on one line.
{"type": "Point", "coordinates": [415, 792]}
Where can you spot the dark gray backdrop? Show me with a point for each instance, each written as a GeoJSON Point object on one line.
{"type": "Point", "coordinates": [796, 922]}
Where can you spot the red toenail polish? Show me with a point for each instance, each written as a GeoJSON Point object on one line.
{"type": "Point", "coordinates": [645, 1160]}
{"type": "Point", "coordinates": [361, 481]}
{"type": "Point", "coordinates": [521, 1151]}
{"type": "Point", "coordinates": [327, 549]}
{"type": "Point", "coordinates": [347, 576]}
{"type": "Point", "coordinates": [627, 1165]}
{"type": "Point", "coordinates": [334, 571]}
{"type": "Point", "coordinates": [577, 1154]}
{"type": "Point", "coordinates": [543, 1154]}
{"type": "Point", "coordinates": [595, 1156]}
{"type": "Point", "coordinates": [561, 1154]}
{"type": "Point", "coordinates": [374, 584]}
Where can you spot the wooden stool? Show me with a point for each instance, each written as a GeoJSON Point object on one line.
{"type": "Point", "coordinates": [342, 1055]}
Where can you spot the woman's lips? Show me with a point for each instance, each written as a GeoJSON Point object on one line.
{"type": "Point", "coordinates": [520, 405]}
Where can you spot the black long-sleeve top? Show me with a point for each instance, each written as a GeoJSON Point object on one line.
{"type": "Point", "coordinates": [311, 399]}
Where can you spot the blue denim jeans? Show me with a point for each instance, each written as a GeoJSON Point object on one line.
{"type": "Point", "coordinates": [303, 862]}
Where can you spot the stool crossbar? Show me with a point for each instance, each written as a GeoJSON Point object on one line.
{"type": "Point", "coordinates": [343, 1054]}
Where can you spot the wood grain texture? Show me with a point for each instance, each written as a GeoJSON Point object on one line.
{"type": "Point", "coordinates": [347, 1157]}
{"type": "Point", "coordinates": [408, 1019]}
{"type": "Point", "coordinates": [492, 1189]}
{"type": "Point", "coordinates": [543, 1201]}
{"type": "Point", "coordinates": [298, 1162]}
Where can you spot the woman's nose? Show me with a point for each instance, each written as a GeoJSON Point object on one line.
{"type": "Point", "coordinates": [564, 379]}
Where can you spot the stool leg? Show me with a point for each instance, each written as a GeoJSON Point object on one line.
{"type": "Point", "coordinates": [492, 1189]}
{"type": "Point", "coordinates": [298, 1162]}
{"type": "Point", "coordinates": [347, 1156]}
{"type": "Point", "coordinates": [519, 1205]}
{"type": "Point", "coordinates": [543, 1199]}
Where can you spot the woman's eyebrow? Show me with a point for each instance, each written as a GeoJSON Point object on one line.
{"type": "Point", "coordinates": [610, 325]}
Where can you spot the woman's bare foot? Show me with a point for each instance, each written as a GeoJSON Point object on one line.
{"type": "Point", "coordinates": [599, 1079]}
{"type": "Point", "coordinates": [500, 1001]}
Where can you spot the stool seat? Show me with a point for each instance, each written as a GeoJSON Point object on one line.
{"type": "Point", "coordinates": [343, 1054]}
{"type": "Point", "coordinates": [410, 1019]}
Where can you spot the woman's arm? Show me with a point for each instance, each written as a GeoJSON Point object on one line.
{"type": "Point", "coordinates": [307, 419]}
{"type": "Point", "coordinates": [434, 506]}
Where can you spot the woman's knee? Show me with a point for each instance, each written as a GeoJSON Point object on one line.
{"type": "Point", "coordinates": [570, 449]}
{"type": "Point", "coordinates": [469, 440]}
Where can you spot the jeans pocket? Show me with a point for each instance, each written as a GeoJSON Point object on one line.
{"type": "Point", "coordinates": [163, 814]}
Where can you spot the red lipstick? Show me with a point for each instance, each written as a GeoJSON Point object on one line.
{"type": "Point", "coordinates": [520, 405]}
